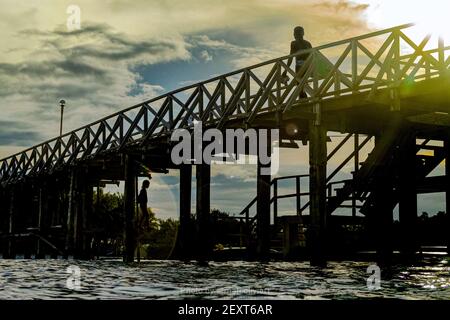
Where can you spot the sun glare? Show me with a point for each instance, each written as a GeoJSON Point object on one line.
{"type": "Point", "coordinates": [431, 16]}
{"type": "Point", "coordinates": [435, 21]}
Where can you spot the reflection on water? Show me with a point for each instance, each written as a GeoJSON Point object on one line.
{"type": "Point", "coordinates": [111, 279]}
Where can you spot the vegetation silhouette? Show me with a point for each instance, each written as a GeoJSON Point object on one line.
{"type": "Point", "coordinates": [157, 241]}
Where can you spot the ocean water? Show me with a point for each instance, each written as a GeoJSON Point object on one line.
{"type": "Point", "coordinates": [112, 279]}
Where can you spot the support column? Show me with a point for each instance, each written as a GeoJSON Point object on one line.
{"type": "Point", "coordinates": [11, 241]}
{"type": "Point", "coordinates": [48, 211]}
{"type": "Point", "coordinates": [3, 219]}
{"type": "Point", "coordinates": [69, 246]}
{"type": "Point", "coordinates": [87, 214]}
{"type": "Point", "coordinates": [184, 243]}
{"type": "Point", "coordinates": [56, 194]}
{"type": "Point", "coordinates": [447, 190]}
{"type": "Point", "coordinates": [382, 211]}
{"type": "Point", "coordinates": [317, 186]}
{"type": "Point", "coordinates": [383, 220]}
{"type": "Point", "coordinates": [263, 210]}
{"type": "Point", "coordinates": [129, 208]}
{"type": "Point", "coordinates": [29, 220]}
{"type": "Point", "coordinates": [78, 214]}
{"type": "Point", "coordinates": [203, 174]}
{"type": "Point", "coordinates": [40, 219]}
{"type": "Point", "coordinates": [81, 209]}
{"type": "Point", "coordinates": [408, 197]}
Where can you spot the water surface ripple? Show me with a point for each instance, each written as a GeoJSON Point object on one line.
{"type": "Point", "coordinates": [112, 279]}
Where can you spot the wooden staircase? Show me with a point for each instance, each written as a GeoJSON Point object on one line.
{"type": "Point", "coordinates": [359, 189]}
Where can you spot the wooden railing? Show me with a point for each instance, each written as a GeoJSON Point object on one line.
{"type": "Point", "coordinates": [241, 95]}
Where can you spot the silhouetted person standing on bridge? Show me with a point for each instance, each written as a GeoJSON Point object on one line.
{"type": "Point", "coordinates": [143, 204]}
{"type": "Point", "coordinates": [298, 45]}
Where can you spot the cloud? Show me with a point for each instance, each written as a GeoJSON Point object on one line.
{"type": "Point", "coordinates": [206, 56]}
{"type": "Point", "coordinates": [96, 69]}
{"type": "Point", "coordinates": [17, 134]}
{"type": "Point", "coordinates": [91, 68]}
{"type": "Point", "coordinates": [342, 6]}
{"type": "Point", "coordinates": [19, 138]}
{"type": "Point", "coordinates": [238, 56]}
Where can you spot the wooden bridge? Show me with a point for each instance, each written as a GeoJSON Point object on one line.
{"type": "Point", "coordinates": [381, 87]}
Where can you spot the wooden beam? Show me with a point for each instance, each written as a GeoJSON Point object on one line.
{"type": "Point", "coordinates": [263, 212]}
{"type": "Point", "coordinates": [11, 245]}
{"type": "Point", "coordinates": [70, 214]}
{"type": "Point", "coordinates": [129, 208]}
{"type": "Point", "coordinates": [204, 246]}
{"type": "Point", "coordinates": [317, 186]}
{"type": "Point", "coordinates": [382, 209]}
{"type": "Point", "coordinates": [447, 193]}
{"type": "Point", "coordinates": [184, 241]}
{"type": "Point", "coordinates": [407, 189]}
{"type": "Point", "coordinates": [40, 223]}
{"type": "Point", "coordinates": [88, 208]}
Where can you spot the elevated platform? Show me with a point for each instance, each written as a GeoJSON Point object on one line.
{"type": "Point", "coordinates": [383, 86]}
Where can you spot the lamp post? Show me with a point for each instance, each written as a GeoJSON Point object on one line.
{"type": "Point", "coordinates": [62, 103]}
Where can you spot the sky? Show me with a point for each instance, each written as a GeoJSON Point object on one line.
{"type": "Point", "coordinates": [130, 51]}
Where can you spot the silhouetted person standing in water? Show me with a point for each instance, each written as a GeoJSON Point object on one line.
{"type": "Point", "coordinates": [143, 201]}
{"type": "Point", "coordinates": [298, 45]}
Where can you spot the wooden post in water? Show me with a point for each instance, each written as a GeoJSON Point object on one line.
{"type": "Point", "coordinates": [356, 169]}
{"type": "Point", "coordinates": [298, 204]}
{"type": "Point", "coordinates": [81, 208]}
{"type": "Point", "coordinates": [382, 213]}
{"type": "Point", "coordinates": [447, 187]}
{"type": "Point", "coordinates": [203, 175]}
{"type": "Point", "coordinates": [263, 200]}
{"type": "Point", "coordinates": [3, 216]}
{"type": "Point", "coordinates": [46, 192]}
{"type": "Point", "coordinates": [317, 186]}
{"type": "Point", "coordinates": [383, 220]}
{"type": "Point", "coordinates": [275, 201]}
{"type": "Point", "coordinates": [129, 208]}
{"type": "Point", "coordinates": [78, 213]}
{"type": "Point", "coordinates": [70, 214]}
{"type": "Point", "coordinates": [137, 223]}
{"type": "Point", "coordinates": [11, 241]}
{"type": "Point", "coordinates": [40, 218]}
{"type": "Point", "coordinates": [53, 205]}
{"type": "Point", "coordinates": [184, 239]}
{"type": "Point", "coordinates": [87, 214]}
{"type": "Point", "coordinates": [28, 218]}
{"type": "Point", "coordinates": [408, 197]}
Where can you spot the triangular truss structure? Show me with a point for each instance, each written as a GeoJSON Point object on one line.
{"type": "Point", "coordinates": [363, 64]}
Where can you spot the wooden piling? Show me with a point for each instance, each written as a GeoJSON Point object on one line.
{"type": "Point", "coordinates": [317, 186]}
{"type": "Point", "coordinates": [184, 244]}
{"type": "Point", "coordinates": [382, 211]}
{"type": "Point", "coordinates": [383, 221]}
{"type": "Point", "coordinates": [203, 177]}
{"type": "Point", "coordinates": [129, 208]}
{"type": "Point", "coordinates": [40, 220]}
{"type": "Point", "coordinates": [77, 214]}
{"type": "Point", "coordinates": [263, 204]}
{"type": "Point", "coordinates": [10, 250]}
{"type": "Point", "coordinates": [81, 208]}
{"type": "Point", "coordinates": [408, 197]}
{"type": "Point", "coordinates": [70, 214]}
{"type": "Point", "coordinates": [447, 188]}
{"type": "Point", "coordinates": [87, 214]}
{"type": "Point", "coordinates": [3, 218]}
